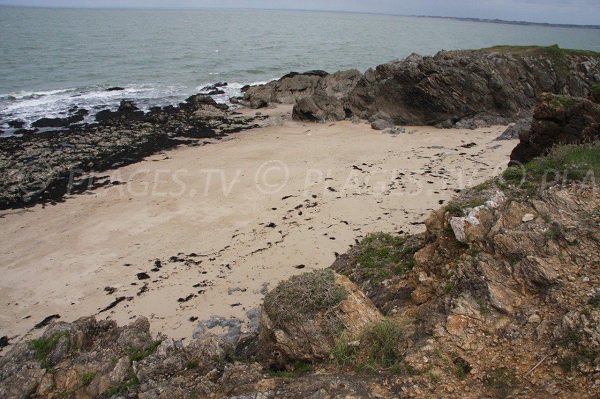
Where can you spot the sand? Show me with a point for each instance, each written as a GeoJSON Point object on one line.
{"type": "Point", "coordinates": [229, 220]}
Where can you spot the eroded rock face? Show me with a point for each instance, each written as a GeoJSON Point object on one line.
{"type": "Point", "coordinates": [454, 85]}
{"type": "Point", "coordinates": [558, 120]}
{"type": "Point", "coordinates": [312, 336]}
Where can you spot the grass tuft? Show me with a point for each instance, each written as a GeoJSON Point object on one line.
{"type": "Point", "coordinates": [44, 346]}
{"type": "Point", "coordinates": [303, 297]}
{"type": "Point", "coordinates": [384, 254]}
{"type": "Point", "coordinates": [382, 341]}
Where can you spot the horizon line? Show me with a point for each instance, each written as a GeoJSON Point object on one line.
{"type": "Point", "coordinates": [172, 8]}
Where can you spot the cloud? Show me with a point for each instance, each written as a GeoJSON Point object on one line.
{"type": "Point", "coordinates": [557, 11]}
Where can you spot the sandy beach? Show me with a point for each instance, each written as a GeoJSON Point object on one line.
{"type": "Point", "coordinates": [206, 230]}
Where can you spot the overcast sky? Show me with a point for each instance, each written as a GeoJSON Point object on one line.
{"type": "Point", "coordinates": [557, 11]}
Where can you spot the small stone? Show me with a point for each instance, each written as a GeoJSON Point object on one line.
{"type": "Point", "coordinates": [534, 319]}
{"type": "Point", "coordinates": [528, 218]}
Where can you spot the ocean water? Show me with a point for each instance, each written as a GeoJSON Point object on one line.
{"type": "Point", "coordinates": [54, 59]}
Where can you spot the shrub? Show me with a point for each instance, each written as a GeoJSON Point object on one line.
{"type": "Point", "coordinates": [87, 378]}
{"type": "Point", "coordinates": [303, 296]}
{"type": "Point", "coordinates": [382, 341]}
{"type": "Point", "coordinates": [343, 352]}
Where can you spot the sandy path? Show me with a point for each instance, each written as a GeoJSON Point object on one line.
{"type": "Point", "coordinates": [227, 220]}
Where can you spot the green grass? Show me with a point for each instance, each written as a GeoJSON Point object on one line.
{"type": "Point", "coordinates": [385, 255]}
{"type": "Point", "coordinates": [343, 353]}
{"type": "Point", "coordinates": [457, 207]}
{"type": "Point", "coordinates": [553, 51]}
{"type": "Point", "coordinates": [139, 354]}
{"type": "Point", "coordinates": [302, 297]}
{"type": "Point", "coordinates": [382, 341]}
{"type": "Point", "coordinates": [596, 92]}
{"type": "Point", "coordinates": [191, 365]}
{"type": "Point", "coordinates": [564, 164]}
{"type": "Point", "coordinates": [87, 378]}
{"type": "Point", "coordinates": [44, 346]}
{"type": "Point", "coordinates": [123, 387]}
{"type": "Point", "coordinates": [298, 369]}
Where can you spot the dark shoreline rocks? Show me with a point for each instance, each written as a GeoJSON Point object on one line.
{"type": "Point", "coordinates": [44, 167]}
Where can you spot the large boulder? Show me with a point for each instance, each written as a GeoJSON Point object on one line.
{"type": "Point", "coordinates": [558, 120]}
{"type": "Point", "coordinates": [319, 107]}
{"type": "Point", "coordinates": [303, 317]}
{"type": "Point", "coordinates": [294, 86]}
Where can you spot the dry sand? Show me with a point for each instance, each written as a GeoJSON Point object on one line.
{"type": "Point", "coordinates": [228, 220]}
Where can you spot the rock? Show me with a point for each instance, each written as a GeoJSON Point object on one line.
{"type": "Point", "coordinates": [479, 85]}
{"type": "Point", "coordinates": [78, 116]}
{"type": "Point", "coordinates": [296, 86]}
{"type": "Point", "coordinates": [16, 124]}
{"type": "Point", "coordinates": [528, 217]}
{"type": "Point", "coordinates": [381, 124]}
{"type": "Point", "coordinates": [558, 120]}
{"type": "Point", "coordinates": [323, 304]}
{"type": "Point", "coordinates": [115, 88]}
{"type": "Point", "coordinates": [319, 107]}
{"type": "Point", "coordinates": [516, 130]}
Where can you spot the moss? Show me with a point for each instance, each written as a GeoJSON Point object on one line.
{"type": "Point", "coordinates": [191, 365]}
{"type": "Point", "coordinates": [383, 255]}
{"type": "Point", "coordinates": [500, 382]}
{"type": "Point", "coordinates": [44, 346]}
{"type": "Point", "coordinates": [303, 297]}
{"type": "Point", "coordinates": [564, 164]}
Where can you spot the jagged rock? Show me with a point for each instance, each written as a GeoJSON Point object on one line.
{"type": "Point", "coordinates": [558, 120]}
{"type": "Point", "coordinates": [516, 130]}
{"type": "Point", "coordinates": [325, 304]}
{"type": "Point", "coordinates": [319, 107]}
{"type": "Point", "coordinates": [454, 85]}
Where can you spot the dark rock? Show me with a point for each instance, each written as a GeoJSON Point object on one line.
{"type": "Point", "coordinates": [4, 342]}
{"type": "Point", "coordinates": [46, 321]}
{"type": "Point", "coordinates": [558, 120]}
{"type": "Point", "coordinates": [319, 107]}
{"type": "Point", "coordinates": [381, 124]}
{"type": "Point", "coordinates": [16, 124]}
{"type": "Point", "coordinates": [78, 116]}
{"type": "Point", "coordinates": [115, 88]}
{"type": "Point", "coordinates": [214, 86]}
{"type": "Point", "coordinates": [515, 130]}
{"type": "Point", "coordinates": [460, 84]}
{"type": "Point", "coordinates": [142, 276]}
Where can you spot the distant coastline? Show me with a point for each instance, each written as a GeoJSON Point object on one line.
{"type": "Point", "coordinates": [505, 22]}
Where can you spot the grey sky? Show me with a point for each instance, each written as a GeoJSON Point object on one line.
{"type": "Point", "coordinates": [557, 11]}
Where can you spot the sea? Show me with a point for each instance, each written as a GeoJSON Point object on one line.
{"type": "Point", "coordinates": [52, 60]}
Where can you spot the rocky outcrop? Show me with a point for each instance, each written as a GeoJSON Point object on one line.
{"type": "Point", "coordinates": [46, 166]}
{"type": "Point", "coordinates": [499, 82]}
{"type": "Point", "coordinates": [296, 86]}
{"type": "Point", "coordinates": [303, 317]}
{"type": "Point", "coordinates": [558, 120]}
{"type": "Point", "coordinates": [465, 89]}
